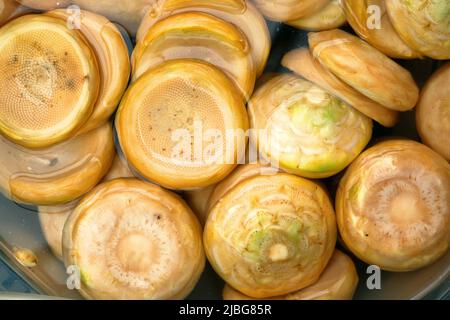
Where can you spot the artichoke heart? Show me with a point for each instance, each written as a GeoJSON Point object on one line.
{"type": "Point", "coordinates": [183, 124]}
{"type": "Point", "coordinates": [307, 131]}
{"type": "Point", "coordinates": [365, 69]}
{"type": "Point", "coordinates": [393, 206]}
{"type": "Point", "coordinates": [201, 36]}
{"type": "Point", "coordinates": [149, 246]}
{"type": "Point", "coordinates": [53, 218]}
{"type": "Point", "coordinates": [423, 24]}
{"type": "Point", "coordinates": [240, 13]}
{"type": "Point", "coordinates": [271, 235]}
{"type": "Point", "coordinates": [49, 80]}
{"type": "Point", "coordinates": [58, 174]}
{"type": "Point", "coordinates": [114, 63]}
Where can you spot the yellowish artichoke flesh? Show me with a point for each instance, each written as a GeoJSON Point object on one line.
{"type": "Point", "coordinates": [271, 235]}
{"type": "Point", "coordinates": [308, 131]}
{"type": "Point", "coordinates": [393, 207]}
{"type": "Point", "coordinates": [238, 12]}
{"type": "Point", "coordinates": [423, 25]}
{"type": "Point", "coordinates": [149, 246]}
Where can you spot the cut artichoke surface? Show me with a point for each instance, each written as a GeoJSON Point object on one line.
{"type": "Point", "coordinates": [423, 24]}
{"type": "Point", "coordinates": [149, 247]}
{"type": "Point", "coordinates": [288, 10]}
{"type": "Point", "coordinates": [337, 282]}
{"type": "Point", "coordinates": [241, 13]}
{"type": "Point", "coordinates": [271, 235]}
{"type": "Point", "coordinates": [113, 60]}
{"type": "Point", "coordinates": [53, 218]}
{"type": "Point", "coordinates": [330, 17]}
{"type": "Point", "coordinates": [197, 35]}
{"type": "Point", "coordinates": [49, 78]}
{"type": "Point", "coordinates": [301, 62]}
{"type": "Point", "coordinates": [304, 129]}
{"type": "Point", "coordinates": [393, 206]}
{"type": "Point", "coordinates": [433, 112]}
{"type": "Point", "coordinates": [58, 174]}
{"type": "Point", "coordinates": [127, 13]}
{"type": "Point", "coordinates": [376, 28]}
{"type": "Point", "coordinates": [179, 124]}
{"type": "Point", "coordinates": [365, 69]}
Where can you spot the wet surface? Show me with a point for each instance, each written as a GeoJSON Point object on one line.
{"type": "Point", "coordinates": [19, 226]}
